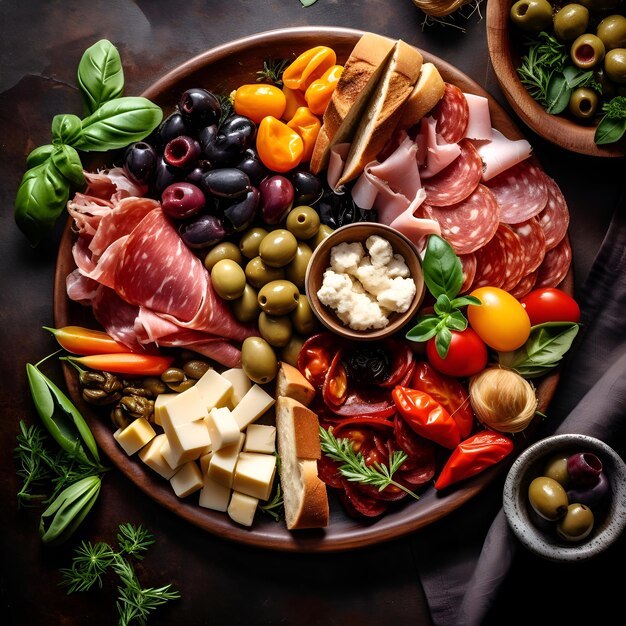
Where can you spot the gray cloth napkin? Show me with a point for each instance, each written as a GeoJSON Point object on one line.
{"type": "Point", "coordinates": [465, 564]}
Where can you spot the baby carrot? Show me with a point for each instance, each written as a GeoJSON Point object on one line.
{"type": "Point", "coordinates": [79, 340]}
{"type": "Point", "coordinates": [125, 363]}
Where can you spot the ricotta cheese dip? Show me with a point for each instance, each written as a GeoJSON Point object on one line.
{"type": "Point", "coordinates": [365, 285]}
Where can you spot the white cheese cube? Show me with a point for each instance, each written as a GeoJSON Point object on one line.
{"type": "Point", "coordinates": [223, 462]}
{"type": "Point", "coordinates": [159, 403]}
{"type": "Point", "coordinates": [185, 407]}
{"type": "Point", "coordinates": [260, 438]}
{"type": "Point", "coordinates": [188, 442]}
{"type": "Point", "coordinates": [254, 474]}
{"type": "Point", "coordinates": [205, 459]}
{"type": "Point", "coordinates": [214, 389]}
{"type": "Point", "coordinates": [242, 508]}
{"type": "Point", "coordinates": [214, 496]}
{"type": "Point", "coordinates": [187, 480]}
{"type": "Point", "coordinates": [135, 436]}
{"type": "Point", "coordinates": [252, 406]}
{"type": "Point", "coordinates": [240, 382]}
{"type": "Point", "coordinates": [222, 427]}
{"type": "Point", "coordinates": [152, 455]}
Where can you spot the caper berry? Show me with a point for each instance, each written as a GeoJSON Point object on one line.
{"type": "Point", "coordinates": [196, 368]}
{"type": "Point", "coordinates": [173, 375]}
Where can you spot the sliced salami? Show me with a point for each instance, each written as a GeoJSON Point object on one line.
{"type": "Point", "coordinates": [470, 224]}
{"type": "Point", "coordinates": [452, 114]}
{"type": "Point", "coordinates": [468, 263]}
{"type": "Point", "coordinates": [513, 254]}
{"type": "Point", "coordinates": [533, 242]}
{"type": "Point", "coordinates": [457, 181]}
{"type": "Point", "coordinates": [554, 219]}
{"type": "Point", "coordinates": [524, 286]}
{"type": "Point", "coordinates": [491, 264]}
{"type": "Point", "coordinates": [555, 265]}
{"type": "Point", "coordinates": [521, 192]}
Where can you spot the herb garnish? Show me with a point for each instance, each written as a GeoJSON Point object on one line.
{"type": "Point", "coordinates": [613, 125]}
{"type": "Point", "coordinates": [272, 71]}
{"type": "Point", "coordinates": [353, 465]}
{"type": "Point", "coordinates": [134, 603]}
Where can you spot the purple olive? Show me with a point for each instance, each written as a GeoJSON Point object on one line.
{"type": "Point", "coordinates": [140, 160]}
{"type": "Point", "coordinates": [583, 468]}
{"type": "Point", "coordinates": [276, 198]}
{"type": "Point", "coordinates": [171, 127]}
{"type": "Point", "coordinates": [182, 152]}
{"type": "Point", "coordinates": [202, 232]}
{"type": "Point", "coordinates": [252, 165]}
{"type": "Point", "coordinates": [226, 182]}
{"type": "Point", "coordinates": [199, 107]}
{"type": "Point", "coordinates": [308, 188]}
{"type": "Point", "coordinates": [592, 495]}
{"type": "Point", "coordinates": [182, 200]}
{"type": "Point", "coordinates": [240, 215]}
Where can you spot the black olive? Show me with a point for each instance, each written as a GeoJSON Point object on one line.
{"type": "Point", "coordinates": [368, 365]}
{"type": "Point", "coordinates": [240, 127]}
{"type": "Point", "coordinates": [140, 161]}
{"type": "Point", "coordinates": [182, 151]}
{"type": "Point", "coordinates": [308, 188]}
{"type": "Point", "coordinates": [202, 231]}
{"type": "Point", "coordinates": [240, 215]}
{"type": "Point", "coordinates": [226, 182]}
{"type": "Point", "coordinates": [252, 165]}
{"type": "Point", "coordinates": [171, 127]}
{"type": "Point", "coordinates": [337, 210]}
{"type": "Point", "coordinates": [200, 107]}
{"type": "Point", "coordinates": [165, 175]}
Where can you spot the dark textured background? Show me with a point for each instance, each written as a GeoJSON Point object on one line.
{"type": "Point", "coordinates": [41, 43]}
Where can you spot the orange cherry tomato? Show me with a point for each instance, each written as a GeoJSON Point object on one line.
{"type": "Point", "coordinates": [279, 147]}
{"type": "Point", "coordinates": [258, 101]}
{"type": "Point", "coordinates": [308, 127]}
{"type": "Point", "coordinates": [309, 66]}
{"type": "Point", "coordinates": [294, 99]}
{"type": "Point", "coordinates": [320, 91]}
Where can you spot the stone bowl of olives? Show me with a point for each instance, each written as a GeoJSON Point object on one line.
{"type": "Point", "coordinates": [564, 105]}
{"type": "Point", "coordinates": [565, 497]}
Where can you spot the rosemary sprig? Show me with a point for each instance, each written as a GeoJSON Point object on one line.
{"type": "Point", "coordinates": [355, 469]}
{"type": "Point", "coordinates": [36, 465]}
{"type": "Point", "coordinates": [272, 71]}
{"type": "Point", "coordinates": [274, 505]}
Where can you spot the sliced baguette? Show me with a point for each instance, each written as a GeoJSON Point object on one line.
{"type": "Point", "coordinates": [304, 494]}
{"type": "Point", "coordinates": [291, 383]}
{"type": "Point", "coordinates": [381, 116]}
{"type": "Point", "coordinates": [427, 92]}
{"type": "Point", "coordinates": [358, 80]}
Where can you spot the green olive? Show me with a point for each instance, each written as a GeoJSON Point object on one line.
{"type": "Point", "coordinates": [556, 468]}
{"type": "Point", "coordinates": [275, 329]}
{"type": "Point", "coordinates": [229, 279]}
{"type": "Point", "coordinates": [246, 308]}
{"type": "Point", "coordinates": [583, 102]}
{"type": "Point", "coordinates": [258, 360]}
{"type": "Point", "coordinates": [259, 274]}
{"type": "Point", "coordinates": [278, 297]}
{"type": "Point", "coordinates": [250, 242]}
{"type": "Point", "coordinates": [303, 222]}
{"type": "Point", "coordinates": [296, 270]}
{"type": "Point", "coordinates": [608, 87]}
{"type": "Point", "coordinates": [278, 248]}
{"type": "Point", "coordinates": [196, 368]}
{"type": "Point", "coordinates": [223, 250]}
{"type": "Point", "coordinates": [532, 16]}
{"type": "Point", "coordinates": [289, 354]}
{"type": "Point", "coordinates": [303, 318]}
{"type": "Point", "coordinates": [571, 21]}
{"type": "Point", "coordinates": [587, 51]}
{"type": "Point", "coordinates": [576, 524]}
{"type": "Point", "coordinates": [548, 498]}
{"type": "Point", "coordinates": [615, 65]}
{"type": "Point", "coordinates": [323, 232]}
{"type": "Point", "coordinates": [612, 31]}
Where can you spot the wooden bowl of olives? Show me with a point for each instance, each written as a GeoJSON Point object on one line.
{"type": "Point", "coordinates": [565, 497]}
{"type": "Point", "coordinates": [560, 65]}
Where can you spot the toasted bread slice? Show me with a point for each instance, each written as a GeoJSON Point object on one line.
{"type": "Point", "coordinates": [358, 80]}
{"type": "Point", "coordinates": [291, 383]}
{"type": "Point", "coordinates": [427, 92]}
{"type": "Point", "coordinates": [381, 116]}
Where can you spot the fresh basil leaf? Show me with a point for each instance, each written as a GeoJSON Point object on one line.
{"type": "Point", "coordinates": [457, 303]}
{"type": "Point", "coordinates": [307, 3]}
{"type": "Point", "coordinates": [442, 306]}
{"type": "Point", "coordinates": [100, 75]}
{"type": "Point", "coordinates": [558, 94]}
{"type": "Point", "coordinates": [65, 129]}
{"type": "Point", "coordinates": [609, 130]}
{"type": "Point", "coordinates": [442, 342]}
{"type": "Point", "coordinates": [543, 350]}
{"type": "Point", "coordinates": [39, 155]}
{"type": "Point", "coordinates": [41, 197]}
{"type": "Point", "coordinates": [425, 328]}
{"type": "Point", "coordinates": [442, 269]}
{"type": "Point", "coordinates": [67, 161]}
{"type": "Point", "coordinates": [118, 123]}
{"type": "Point", "coordinates": [456, 321]}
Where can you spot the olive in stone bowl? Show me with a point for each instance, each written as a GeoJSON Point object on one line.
{"type": "Point", "coordinates": [565, 497]}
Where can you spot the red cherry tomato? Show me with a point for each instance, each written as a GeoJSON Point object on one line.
{"type": "Point", "coordinates": [550, 305]}
{"type": "Point", "coordinates": [466, 356]}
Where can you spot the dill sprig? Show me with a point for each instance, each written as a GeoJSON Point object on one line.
{"type": "Point", "coordinates": [354, 468]}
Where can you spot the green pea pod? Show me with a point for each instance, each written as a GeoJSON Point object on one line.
{"type": "Point", "coordinates": [41, 197]}
{"type": "Point", "coordinates": [100, 75]}
{"type": "Point", "coordinates": [117, 123]}
{"type": "Point", "coordinates": [39, 155]}
{"type": "Point", "coordinates": [59, 521]}
{"type": "Point", "coordinates": [67, 161]}
{"type": "Point", "coordinates": [61, 418]}
{"type": "Point", "coordinates": [66, 128]}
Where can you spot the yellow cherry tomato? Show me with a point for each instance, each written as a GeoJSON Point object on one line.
{"type": "Point", "coordinates": [258, 101]}
{"type": "Point", "coordinates": [279, 147]}
{"type": "Point", "coordinates": [500, 321]}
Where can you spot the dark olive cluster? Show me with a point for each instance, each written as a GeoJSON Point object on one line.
{"type": "Point", "coordinates": [368, 365]}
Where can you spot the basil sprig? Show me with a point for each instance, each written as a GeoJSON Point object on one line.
{"type": "Point", "coordinates": [543, 350]}
{"type": "Point", "coordinates": [443, 275]}
{"type": "Point", "coordinates": [114, 121]}
{"type": "Point", "coordinates": [612, 126]}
